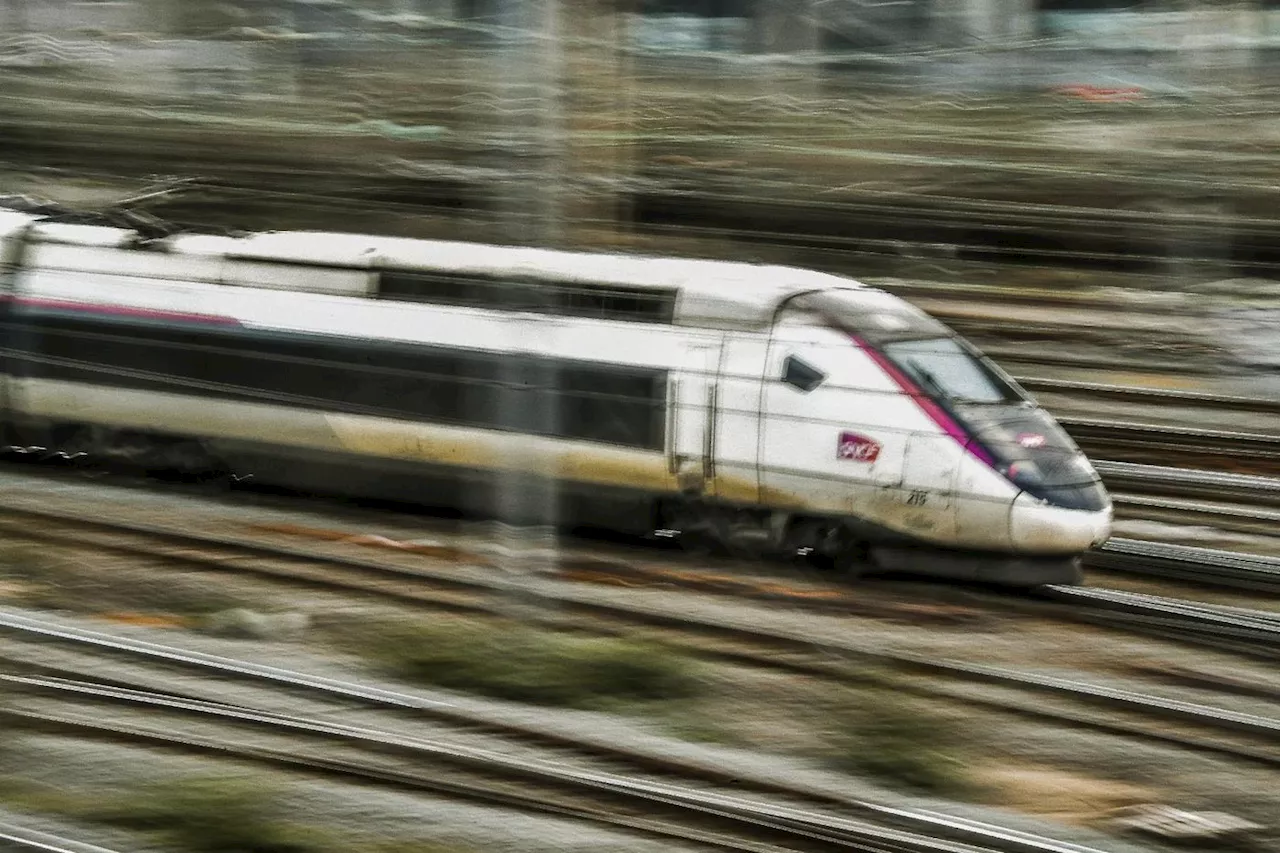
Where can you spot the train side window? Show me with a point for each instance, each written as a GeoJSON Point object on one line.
{"type": "Point", "coordinates": [798, 374]}
{"type": "Point", "coordinates": [610, 404]}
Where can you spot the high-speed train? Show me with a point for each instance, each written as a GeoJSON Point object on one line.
{"type": "Point", "coordinates": [759, 407]}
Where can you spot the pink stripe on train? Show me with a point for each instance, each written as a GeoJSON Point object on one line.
{"type": "Point", "coordinates": [935, 412]}
{"type": "Point", "coordinates": [122, 311]}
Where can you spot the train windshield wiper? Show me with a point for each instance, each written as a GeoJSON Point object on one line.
{"type": "Point", "coordinates": [928, 379]}
{"type": "Point", "coordinates": [937, 389]}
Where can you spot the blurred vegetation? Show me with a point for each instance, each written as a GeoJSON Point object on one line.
{"type": "Point", "coordinates": [900, 740]}
{"type": "Point", "coordinates": [527, 664]}
{"type": "Point", "coordinates": [62, 582]}
{"type": "Point", "coordinates": [209, 816]}
{"type": "Point", "coordinates": [202, 814]}
{"type": "Point", "coordinates": [699, 724]}
{"type": "Point", "coordinates": [225, 815]}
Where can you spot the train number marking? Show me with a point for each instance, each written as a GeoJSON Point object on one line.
{"type": "Point", "coordinates": [857, 448]}
{"type": "Point", "coordinates": [919, 497]}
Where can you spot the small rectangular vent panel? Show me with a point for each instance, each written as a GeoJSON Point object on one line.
{"type": "Point", "coordinates": [599, 302]}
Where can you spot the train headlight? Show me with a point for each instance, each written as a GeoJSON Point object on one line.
{"type": "Point", "coordinates": [1024, 471]}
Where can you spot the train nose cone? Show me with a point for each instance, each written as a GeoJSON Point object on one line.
{"type": "Point", "coordinates": [1036, 527]}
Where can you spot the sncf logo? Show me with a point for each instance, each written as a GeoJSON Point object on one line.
{"type": "Point", "coordinates": [857, 448]}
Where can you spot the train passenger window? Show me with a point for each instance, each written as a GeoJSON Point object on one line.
{"type": "Point", "coordinates": [611, 404]}
{"type": "Point", "coordinates": [798, 374]}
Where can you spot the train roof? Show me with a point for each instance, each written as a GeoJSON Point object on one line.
{"type": "Point", "coordinates": [707, 293]}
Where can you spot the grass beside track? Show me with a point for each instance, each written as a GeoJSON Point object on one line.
{"type": "Point", "coordinates": [206, 814]}
{"type": "Point", "coordinates": [873, 731]}
{"type": "Point", "coordinates": [527, 664]}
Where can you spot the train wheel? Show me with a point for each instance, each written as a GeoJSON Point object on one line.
{"type": "Point", "coordinates": [130, 451]}
{"type": "Point", "coordinates": [695, 526]}
{"type": "Point", "coordinates": [186, 461]}
{"type": "Point", "coordinates": [852, 564]}
{"type": "Point", "coordinates": [850, 556]}
{"type": "Point", "coordinates": [701, 545]}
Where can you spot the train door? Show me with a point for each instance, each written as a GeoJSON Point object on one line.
{"type": "Point", "coordinates": [736, 420]}
{"type": "Point", "coordinates": [691, 417]}
{"type": "Point", "coordinates": [826, 444]}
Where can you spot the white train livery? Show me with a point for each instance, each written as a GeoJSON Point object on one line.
{"type": "Point", "coordinates": [765, 407]}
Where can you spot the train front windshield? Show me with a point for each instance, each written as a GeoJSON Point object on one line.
{"type": "Point", "coordinates": [944, 368]}
{"type": "Point", "coordinates": [1027, 445]}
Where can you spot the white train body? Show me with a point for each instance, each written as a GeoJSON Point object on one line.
{"type": "Point", "coordinates": [802, 406]}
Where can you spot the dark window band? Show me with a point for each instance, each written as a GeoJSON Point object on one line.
{"type": "Point", "coordinates": [606, 403]}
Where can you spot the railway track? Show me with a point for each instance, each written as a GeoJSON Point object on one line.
{"type": "Point", "coordinates": [1164, 481]}
{"type": "Point", "coordinates": [698, 199]}
{"type": "Point", "coordinates": [1240, 631]}
{"type": "Point", "coordinates": [808, 804]}
{"type": "Point", "coordinates": [23, 839]}
{"type": "Point", "coordinates": [741, 812]}
{"type": "Point", "coordinates": [1235, 518]}
{"type": "Point", "coordinates": [1187, 429]}
{"type": "Point", "coordinates": [1230, 502]}
{"type": "Point", "coordinates": [1246, 453]}
{"type": "Point", "coordinates": [1154, 396]}
{"type": "Point", "coordinates": [418, 582]}
{"type": "Point", "coordinates": [1209, 566]}
{"type": "Point", "coordinates": [411, 579]}
{"type": "Point", "coordinates": [709, 819]}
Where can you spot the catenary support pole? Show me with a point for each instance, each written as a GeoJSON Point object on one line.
{"type": "Point", "coordinates": [530, 213]}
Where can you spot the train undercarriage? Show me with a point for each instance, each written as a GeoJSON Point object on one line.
{"type": "Point", "coordinates": [701, 527]}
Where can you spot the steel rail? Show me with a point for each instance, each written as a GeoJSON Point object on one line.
{"type": "Point", "coordinates": [490, 795]}
{"type": "Point", "coordinates": [1164, 480]}
{"type": "Point", "coordinates": [1249, 572]}
{"type": "Point", "coordinates": [1217, 616]}
{"type": "Point", "coordinates": [1216, 718]}
{"type": "Point", "coordinates": [1254, 572]}
{"type": "Point", "coordinates": [1153, 618]}
{"type": "Point", "coordinates": [1248, 632]}
{"type": "Point", "coordinates": [441, 589]}
{"type": "Point", "coordinates": [1166, 618]}
{"type": "Point", "coordinates": [1140, 394]}
{"type": "Point", "coordinates": [1134, 556]}
{"type": "Point", "coordinates": [16, 837]}
{"type": "Point", "coordinates": [1187, 562]}
{"type": "Point", "coordinates": [1234, 518]}
{"type": "Point", "coordinates": [821, 667]}
{"type": "Point", "coordinates": [1014, 352]}
{"type": "Point", "coordinates": [1150, 617]}
{"type": "Point", "coordinates": [1221, 511]}
{"type": "Point", "coordinates": [1227, 443]}
{"type": "Point", "coordinates": [837, 830]}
